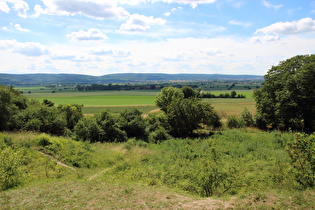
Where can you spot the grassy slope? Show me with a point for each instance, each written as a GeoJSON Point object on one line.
{"type": "Point", "coordinates": [120, 175]}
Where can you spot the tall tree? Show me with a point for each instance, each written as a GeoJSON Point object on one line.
{"type": "Point", "coordinates": [287, 98]}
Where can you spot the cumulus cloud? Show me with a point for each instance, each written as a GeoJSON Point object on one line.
{"type": "Point", "coordinates": [138, 22]}
{"type": "Point", "coordinates": [296, 27]}
{"type": "Point", "coordinates": [92, 34]}
{"type": "Point", "coordinates": [28, 48]}
{"type": "Point", "coordinates": [91, 8]}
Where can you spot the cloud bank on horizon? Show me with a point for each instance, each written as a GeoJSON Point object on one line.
{"type": "Point", "coordinates": [98, 37]}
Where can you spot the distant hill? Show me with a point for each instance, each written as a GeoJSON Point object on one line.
{"type": "Point", "coordinates": [18, 79]}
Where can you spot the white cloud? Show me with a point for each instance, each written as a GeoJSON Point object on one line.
{"type": "Point", "coordinates": [18, 5]}
{"type": "Point", "coordinates": [172, 11]}
{"type": "Point", "coordinates": [28, 48]}
{"type": "Point", "coordinates": [269, 5]}
{"type": "Point", "coordinates": [138, 22]}
{"type": "Point", "coordinates": [4, 7]}
{"type": "Point", "coordinates": [90, 35]}
{"type": "Point", "coordinates": [240, 23]}
{"type": "Point", "coordinates": [19, 28]}
{"type": "Point", "coordinates": [92, 8]}
{"type": "Point", "coordinates": [193, 3]}
{"type": "Point", "coordinates": [265, 38]}
{"type": "Point", "coordinates": [114, 53]}
{"type": "Point", "coordinates": [21, 7]}
{"type": "Point", "coordinates": [296, 27]}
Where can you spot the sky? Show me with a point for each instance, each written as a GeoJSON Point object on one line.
{"type": "Point", "coordinates": [99, 37]}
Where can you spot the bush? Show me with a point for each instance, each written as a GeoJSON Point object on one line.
{"type": "Point", "coordinates": [247, 118]}
{"type": "Point", "coordinates": [10, 168]}
{"type": "Point", "coordinates": [235, 122]}
{"type": "Point", "coordinates": [133, 124]}
{"type": "Point", "coordinates": [302, 155]}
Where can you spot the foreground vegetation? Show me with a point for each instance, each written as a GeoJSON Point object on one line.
{"type": "Point", "coordinates": [240, 168]}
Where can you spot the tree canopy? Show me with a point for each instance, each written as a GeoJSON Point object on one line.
{"type": "Point", "coordinates": [287, 98]}
{"type": "Point", "coordinates": [184, 112]}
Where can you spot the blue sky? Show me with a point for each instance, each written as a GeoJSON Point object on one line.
{"type": "Point", "coordinates": [98, 37]}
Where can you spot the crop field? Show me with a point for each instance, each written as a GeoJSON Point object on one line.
{"type": "Point", "coordinates": [144, 100]}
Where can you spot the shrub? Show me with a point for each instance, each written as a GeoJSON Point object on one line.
{"type": "Point", "coordinates": [10, 168]}
{"type": "Point", "coordinates": [302, 155]}
{"type": "Point", "coordinates": [247, 118]}
{"type": "Point", "coordinates": [235, 122]}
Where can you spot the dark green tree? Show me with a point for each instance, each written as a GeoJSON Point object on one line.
{"type": "Point", "coordinates": [189, 92]}
{"type": "Point", "coordinates": [132, 122]}
{"type": "Point", "coordinates": [11, 102]}
{"type": "Point", "coordinates": [287, 98]}
{"type": "Point", "coordinates": [110, 129]}
{"type": "Point", "coordinates": [186, 115]}
{"type": "Point", "coordinates": [72, 113]}
{"type": "Point", "coordinates": [166, 96]}
{"type": "Point", "coordinates": [87, 129]}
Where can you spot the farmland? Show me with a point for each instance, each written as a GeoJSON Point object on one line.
{"type": "Point", "coordinates": [115, 101]}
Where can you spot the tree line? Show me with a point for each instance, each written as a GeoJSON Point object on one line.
{"type": "Point", "coordinates": [182, 114]}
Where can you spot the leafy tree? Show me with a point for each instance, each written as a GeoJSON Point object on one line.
{"type": "Point", "coordinates": [287, 98]}
{"type": "Point", "coordinates": [11, 101]}
{"type": "Point", "coordinates": [72, 112]}
{"type": "Point", "coordinates": [133, 123]}
{"type": "Point", "coordinates": [186, 115]}
{"type": "Point", "coordinates": [42, 118]}
{"type": "Point", "coordinates": [87, 129]}
{"type": "Point", "coordinates": [189, 92]}
{"type": "Point", "coordinates": [110, 129]}
{"type": "Point", "coordinates": [166, 96]}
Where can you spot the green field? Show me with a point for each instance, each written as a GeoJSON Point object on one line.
{"type": "Point", "coordinates": [115, 101]}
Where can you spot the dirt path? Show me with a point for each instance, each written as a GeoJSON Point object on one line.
{"type": "Point", "coordinates": [57, 161]}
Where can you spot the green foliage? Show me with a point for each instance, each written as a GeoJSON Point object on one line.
{"type": "Point", "coordinates": [286, 100]}
{"type": "Point", "coordinates": [132, 122]}
{"type": "Point", "coordinates": [302, 155]}
{"type": "Point", "coordinates": [73, 113]}
{"type": "Point", "coordinates": [110, 130]}
{"type": "Point", "coordinates": [247, 118]}
{"type": "Point", "coordinates": [10, 168]}
{"type": "Point", "coordinates": [189, 92]}
{"type": "Point", "coordinates": [74, 153]}
{"type": "Point", "coordinates": [184, 112]}
{"type": "Point", "coordinates": [166, 96]}
{"type": "Point", "coordinates": [11, 101]}
{"type": "Point", "coordinates": [100, 128]}
{"type": "Point", "coordinates": [87, 129]}
{"type": "Point", "coordinates": [187, 115]}
{"type": "Point", "coordinates": [42, 118]}
{"type": "Point", "coordinates": [235, 122]}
